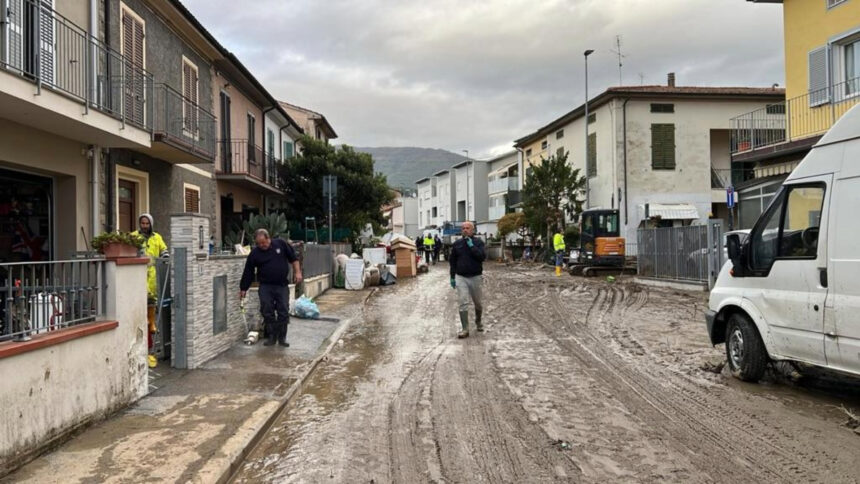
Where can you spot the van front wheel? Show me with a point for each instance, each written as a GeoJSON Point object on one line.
{"type": "Point", "coordinates": [745, 350]}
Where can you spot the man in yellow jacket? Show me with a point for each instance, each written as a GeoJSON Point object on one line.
{"type": "Point", "coordinates": [153, 247]}
{"type": "Point", "coordinates": [559, 246]}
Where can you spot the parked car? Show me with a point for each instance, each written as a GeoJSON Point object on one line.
{"type": "Point", "coordinates": [792, 289]}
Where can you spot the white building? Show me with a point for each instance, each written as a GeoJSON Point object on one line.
{"type": "Point", "coordinates": [503, 190]}
{"type": "Point", "coordinates": [445, 196]}
{"type": "Point", "coordinates": [403, 217]}
{"type": "Point", "coordinates": [661, 147]}
{"type": "Point", "coordinates": [427, 209]}
{"type": "Point", "coordinates": [470, 194]}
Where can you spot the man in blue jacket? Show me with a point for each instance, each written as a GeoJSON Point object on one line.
{"type": "Point", "coordinates": [467, 266]}
{"type": "Point", "coordinates": [271, 260]}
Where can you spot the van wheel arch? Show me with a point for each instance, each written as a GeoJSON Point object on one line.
{"type": "Point", "coordinates": [721, 322]}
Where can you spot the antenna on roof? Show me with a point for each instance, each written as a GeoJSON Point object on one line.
{"type": "Point", "coordinates": [617, 51]}
{"type": "Point", "coordinates": [641, 79]}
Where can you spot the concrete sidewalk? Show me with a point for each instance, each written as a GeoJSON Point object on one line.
{"type": "Point", "coordinates": [197, 424]}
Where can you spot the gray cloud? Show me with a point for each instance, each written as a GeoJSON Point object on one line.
{"type": "Point", "coordinates": [477, 74]}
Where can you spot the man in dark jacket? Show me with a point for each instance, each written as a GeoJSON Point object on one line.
{"type": "Point", "coordinates": [467, 265]}
{"type": "Point", "coordinates": [271, 260]}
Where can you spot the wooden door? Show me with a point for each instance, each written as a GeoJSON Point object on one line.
{"type": "Point", "coordinates": [127, 197]}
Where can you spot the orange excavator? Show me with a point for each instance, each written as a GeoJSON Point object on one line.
{"type": "Point", "coordinates": [601, 248]}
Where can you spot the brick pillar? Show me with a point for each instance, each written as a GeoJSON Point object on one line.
{"type": "Point", "coordinates": [189, 231]}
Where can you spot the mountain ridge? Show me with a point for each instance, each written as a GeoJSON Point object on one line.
{"type": "Point", "coordinates": [404, 165]}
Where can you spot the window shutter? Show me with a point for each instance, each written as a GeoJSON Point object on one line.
{"type": "Point", "coordinates": [46, 41]}
{"type": "Point", "coordinates": [591, 164]}
{"type": "Point", "coordinates": [192, 201]}
{"type": "Point", "coordinates": [15, 50]}
{"type": "Point", "coordinates": [194, 101]}
{"type": "Point", "coordinates": [663, 146]}
{"type": "Point", "coordinates": [819, 78]}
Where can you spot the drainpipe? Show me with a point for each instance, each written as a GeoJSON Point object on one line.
{"type": "Point", "coordinates": [94, 155]}
{"type": "Point", "coordinates": [109, 174]}
{"type": "Point", "coordinates": [624, 142]}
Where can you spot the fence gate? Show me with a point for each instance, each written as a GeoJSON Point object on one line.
{"type": "Point", "coordinates": [692, 253]}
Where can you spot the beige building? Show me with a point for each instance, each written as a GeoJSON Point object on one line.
{"type": "Point", "coordinates": [312, 123]}
{"type": "Point", "coordinates": [663, 150]}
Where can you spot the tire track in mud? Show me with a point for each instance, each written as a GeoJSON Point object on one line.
{"type": "Point", "coordinates": [691, 418]}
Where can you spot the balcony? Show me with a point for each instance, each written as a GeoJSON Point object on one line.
{"type": "Point", "coordinates": [792, 125]}
{"type": "Point", "coordinates": [500, 185]}
{"type": "Point", "coordinates": [182, 131]}
{"type": "Point", "coordinates": [54, 76]}
{"type": "Point", "coordinates": [497, 212]}
{"type": "Point", "coordinates": [245, 164]}
{"type": "Point", "coordinates": [722, 178]}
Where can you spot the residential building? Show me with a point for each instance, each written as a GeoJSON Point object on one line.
{"type": "Point", "coordinates": [445, 196]}
{"type": "Point", "coordinates": [313, 123]}
{"type": "Point", "coordinates": [402, 215]}
{"type": "Point", "coordinates": [62, 104]}
{"type": "Point", "coordinates": [655, 152]}
{"type": "Point", "coordinates": [470, 179]}
{"type": "Point", "coordinates": [252, 128]}
{"type": "Point", "coordinates": [822, 81]}
{"type": "Point", "coordinates": [427, 209]}
{"type": "Point", "coordinates": [503, 189]}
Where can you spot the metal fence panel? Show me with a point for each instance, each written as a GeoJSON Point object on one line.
{"type": "Point", "coordinates": [316, 260]}
{"type": "Point", "coordinates": [677, 253]}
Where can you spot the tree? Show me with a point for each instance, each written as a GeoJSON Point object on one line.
{"type": "Point", "coordinates": [510, 223]}
{"type": "Point", "coordinates": [553, 189]}
{"type": "Point", "coordinates": [361, 193]}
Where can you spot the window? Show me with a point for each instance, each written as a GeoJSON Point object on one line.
{"type": "Point", "coordinates": [662, 146]}
{"type": "Point", "coordinates": [592, 118]}
{"type": "Point", "coordinates": [789, 228]}
{"type": "Point", "coordinates": [528, 152]}
{"type": "Point", "coordinates": [559, 134]}
{"type": "Point", "coordinates": [288, 150]}
{"type": "Point", "coordinates": [252, 141]}
{"type": "Point", "coordinates": [434, 212]}
{"type": "Point", "coordinates": [270, 143]}
{"type": "Point", "coordinates": [189, 92]}
{"type": "Point", "coordinates": [851, 68]}
{"type": "Point", "coordinates": [559, 153]}
{"type": "Point", "coordinates": [133, 47]}
{"type": "Point", "coordinates": [544, 145]}
{"type": "Point", "coordinates": [662, 108]}
{"type": "Point", "coordinates": [591, 165]}
{"type": "Point", "coordinates": [192, 198]}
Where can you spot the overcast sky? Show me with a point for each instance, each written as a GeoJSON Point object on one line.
{"type": "Point", "coordinates": [477, 74]}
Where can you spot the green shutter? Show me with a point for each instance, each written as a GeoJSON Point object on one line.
{"type": "Point", "coordinates": [591, 168]}
{"type": "Point", "coordinates": [663, 146]}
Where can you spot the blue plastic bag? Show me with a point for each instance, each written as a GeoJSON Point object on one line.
{"type": "Point", "coordinates": [307, 309]}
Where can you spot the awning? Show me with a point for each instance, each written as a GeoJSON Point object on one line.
{"type": "Point", "coordinates": [672, 211]}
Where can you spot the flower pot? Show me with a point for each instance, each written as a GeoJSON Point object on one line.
{"type": "Point", "coordinates": [115, 250]}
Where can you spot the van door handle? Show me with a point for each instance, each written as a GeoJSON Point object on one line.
{"type": "Point", "coordinates": [822, 277]}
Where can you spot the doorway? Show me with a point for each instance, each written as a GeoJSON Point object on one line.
{"type": "Point", "coordinates": [127, 201]}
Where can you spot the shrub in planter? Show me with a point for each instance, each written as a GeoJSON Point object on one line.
{"type": "Point", "coordinates": [118, 244]}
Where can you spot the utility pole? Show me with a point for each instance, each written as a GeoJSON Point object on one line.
{"type": "Point", "coordinates": [587, 174]}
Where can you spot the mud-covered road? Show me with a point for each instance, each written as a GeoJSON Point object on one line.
{"type": "Point", "coordinates": [577, 380]}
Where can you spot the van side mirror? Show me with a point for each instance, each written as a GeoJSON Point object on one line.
{"type": "Point", "coordinates": [733, 247]}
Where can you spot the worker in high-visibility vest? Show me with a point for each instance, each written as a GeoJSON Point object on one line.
{"type": "Point", "coordinates": [428, 248]}
{"type": "Point", "coordinates": [558, 246]}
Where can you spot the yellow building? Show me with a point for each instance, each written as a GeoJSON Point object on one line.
{"type": "Point", "coordinates": [822, 81]}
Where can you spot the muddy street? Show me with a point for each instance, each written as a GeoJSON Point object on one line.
{"type": "Point", "coordinates": [576, 380]}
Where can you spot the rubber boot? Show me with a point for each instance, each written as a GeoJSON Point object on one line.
{"type": "Point", "coordinates": [557, 271]}
{"type": "Point", "coordinates": [282, 335]}
{"type": "Point", "coordinates": [478, 324]}
{"type": "Point", "coordinates": [464, 322]}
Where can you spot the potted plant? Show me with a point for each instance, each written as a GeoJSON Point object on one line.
{"type": "Point", "coordinates": [118, 244]}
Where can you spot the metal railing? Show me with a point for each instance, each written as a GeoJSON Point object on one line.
{"type": "Point", "coordinates": [238, 157]}
{"type": "Point", "coordinates": [722, 178]}
{"type": "Point", "coordinates": [41, 45]}
{"type": "Point", "coordinates": [496, 213]}
{"type": "Point", "coordinates": [498, 185]}
{"type": "Point", "coordinates": [183, 123]}
{"type": "Point", "coordinates": [676, 253]}
{"type": "Point", "coordinates": [797, 118]}
{"type": "Point", "coordinates": [38, 297]}
{"type": "Point", "coordinates": [316, 260]}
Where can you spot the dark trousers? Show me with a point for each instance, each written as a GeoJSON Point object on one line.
{"type": "Point", "coordinates": [273, 305]}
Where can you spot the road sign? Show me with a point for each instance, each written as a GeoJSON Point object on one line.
{"type": "Point", "coordinates": [730, 196]}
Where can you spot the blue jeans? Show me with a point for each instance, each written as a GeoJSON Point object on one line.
{"type": "Point", "coordinates": [559, 258]}
{"type": "Point", "coordinates": [273, 305]}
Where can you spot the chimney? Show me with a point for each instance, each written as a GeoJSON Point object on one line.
{"type": "Point", "coordinates": [671, 79]}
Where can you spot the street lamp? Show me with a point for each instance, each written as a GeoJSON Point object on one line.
{"type": "Point", "coordinates": [468, 165]}
{"type": "Point", "coordinates": [587, 194]}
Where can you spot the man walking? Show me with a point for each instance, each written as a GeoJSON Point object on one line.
{"type": "Point", "coordinates": [153, 247]}
{"type": "Point", "coordinates": [428, 249]}
{"type": "Point", "coordinates": [559, 246]}
{"type": "Point", "coordinates": [271, 260]}
{"type": "Point", "coordinates": [467, 266]}
{"type": "Point", "coordinates": [437, 247]}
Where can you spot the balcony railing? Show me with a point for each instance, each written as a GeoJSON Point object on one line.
{"type": "Point", "coordinates": [182, 122]}
{"type": "Point", "coordinates": [722, 178]}
{"type": "Point", "coordinates": [504, 184]}
{"type": "Point", "coordinates": [239, 157]}
{"type": "Point", "coordinates": [496, 212]}
{"type": "Point", "coordinates": [41, 45]}
{"type": "Point", "coordinates": [795, 119]}
{"type": "Point", "coordinates": [38, 297]}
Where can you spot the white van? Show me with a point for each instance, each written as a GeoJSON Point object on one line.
{"type": "Point", "coordinates": [791, 290]}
